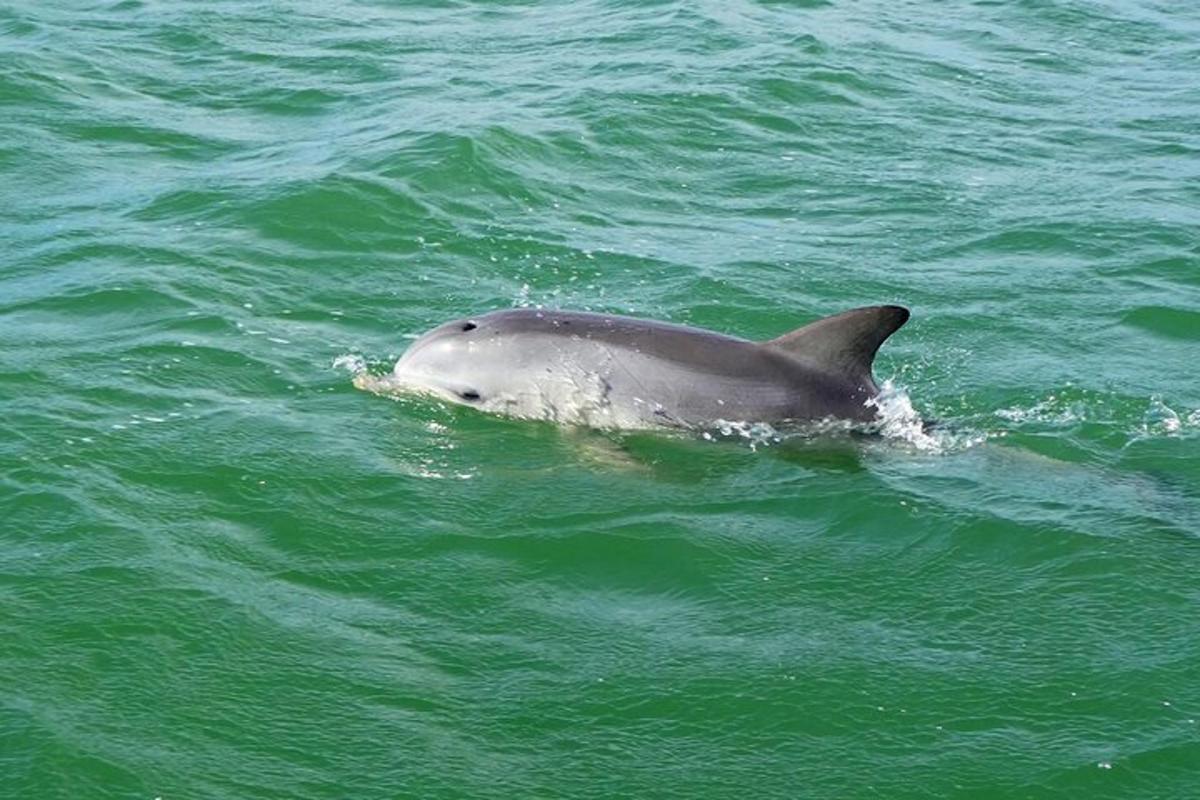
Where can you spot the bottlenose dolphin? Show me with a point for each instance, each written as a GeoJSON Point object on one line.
{"type": "Point", "coordinates": [608, 371]}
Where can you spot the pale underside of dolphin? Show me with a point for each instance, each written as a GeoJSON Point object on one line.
{"type": "Point", "coordinates": [609, 371]}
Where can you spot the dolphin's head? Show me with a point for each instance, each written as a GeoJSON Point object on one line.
{"type": "Point", "coordinates": [455, 361]}
{"type": "Point", "coordinates": [518, 362]}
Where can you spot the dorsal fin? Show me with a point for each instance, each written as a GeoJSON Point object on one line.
{"type": "Point", "coordinates": [844, 344]}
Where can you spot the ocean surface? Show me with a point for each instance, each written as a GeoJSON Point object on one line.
{"type": "Point", "coordinates": [227, 573]}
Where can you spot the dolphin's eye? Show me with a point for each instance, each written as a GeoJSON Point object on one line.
{"type": "Point", "coordinates": [469, 326]}
{"type": "Point", "coordinates": [470, 395]}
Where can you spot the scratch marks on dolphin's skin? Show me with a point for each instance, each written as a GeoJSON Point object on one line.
{"type": "Point", "coordinates": [668, 419]}
{"type": "Point", "coordinates": [619, 364]}
{"type": "Point", "coordinates": [605, 391]}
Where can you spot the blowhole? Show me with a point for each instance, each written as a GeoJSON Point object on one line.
{"type": "Point", "coordinates": [470, 395]}
{"type": "Point", "coordinates": [469, 326]}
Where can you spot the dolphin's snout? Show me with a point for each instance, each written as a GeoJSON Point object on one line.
{"type": "Point", "coordinates": [378, 384]}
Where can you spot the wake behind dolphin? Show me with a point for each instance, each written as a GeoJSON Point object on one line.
{"type": "Point", "coordinates": [608, 371]}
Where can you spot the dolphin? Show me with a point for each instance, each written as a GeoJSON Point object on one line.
{"type": "Point", "coordinates": [609, 371]}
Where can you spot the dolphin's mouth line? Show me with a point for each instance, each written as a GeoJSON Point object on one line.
{"type": "Point", "coordinates": [401, 384]}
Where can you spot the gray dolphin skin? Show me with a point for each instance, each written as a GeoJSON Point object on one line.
{"type": "Point", "coordinates": [607, 371]}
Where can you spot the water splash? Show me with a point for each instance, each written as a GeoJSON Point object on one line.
{"type": "Point", "coordinates": [1161, 418]}
{"type": "Point", "coordinates": [756, 434]}
{"type": "Point", "coordinates": [351, 362]}
{"type": "Point", "coordinates": [363, 378]}
{"type": "Point", "coordinates": [1135, 417]}
{"type": "Point", "coordinates": [1055, 409]}
{"type": "Point", "coordinates": [899, 421]}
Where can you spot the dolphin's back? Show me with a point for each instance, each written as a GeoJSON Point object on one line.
{"type": "Point", "coordinates": [651, 372]}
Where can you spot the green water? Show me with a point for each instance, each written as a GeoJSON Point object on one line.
{"type": "Point", "coordinates": [225, 573]}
